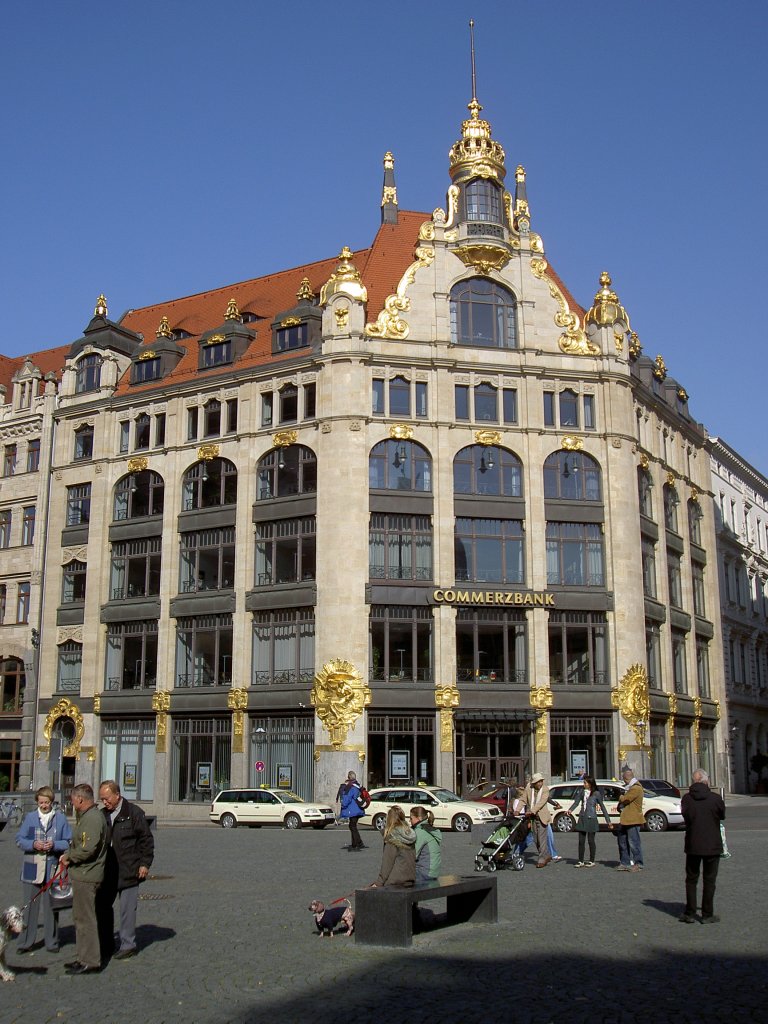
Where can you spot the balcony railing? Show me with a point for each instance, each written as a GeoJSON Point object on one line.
{"type": "Point", "coordinates": [268, 579]}
{"type": "Point", "coordinates": [580, 677]}
{"type": "Point", "coordinates": [284, 678]}
{"type": "Point", "coordinates": [467, 674]}
{"type": "Point", "coordinates": [118, 683]}
{"type": "Point", "coordinates": [379, 572]}
{"type": "Point", "coordinates": [401, 675]}
{"type": "Point", "coordinates": [68, 685]}
{"type": "Point", "coordinates": [185, 681]}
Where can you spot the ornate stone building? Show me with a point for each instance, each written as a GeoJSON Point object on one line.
{"type": "Point", "coordinates": [411, 510]}
{"type": "Point", "coordinates": [741, 515]}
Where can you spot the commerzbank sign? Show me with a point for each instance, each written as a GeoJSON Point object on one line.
{"type": "Point", "coordinates": [516, 598]}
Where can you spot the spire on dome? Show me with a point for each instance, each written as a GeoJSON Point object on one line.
{"type": "Point", "coordinates": [389, 192]}
{"type": "Point", "coordinates": [476, 154]}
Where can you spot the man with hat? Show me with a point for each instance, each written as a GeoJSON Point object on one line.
{"type": "Point", "coordinates": [536, 797]}
{"type": "Point", "coordinates": [630, 821]}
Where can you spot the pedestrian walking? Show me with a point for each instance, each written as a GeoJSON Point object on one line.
{"type": "Point", "coordinates": [703, 811]}
{"type": "Point", "coordinates": [398, 858]}
{"type": "Point", "coordinates": [85, 860]}
{"type": "Point", "coordinates": [43, 836]}
{"type": "Point", "coordinates": [352, 810]}
{"type": "Point", "coordinates": [536, 797]}
{"type": "Point", "coordinates": [630, 821]}
{"type": "Point", "coordinates": [130, 852]}
{"type": "Point", "coordinates": [587, 823]}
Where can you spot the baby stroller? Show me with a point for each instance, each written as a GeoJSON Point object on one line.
{"type": "Point", "coordinates": [500, 849]}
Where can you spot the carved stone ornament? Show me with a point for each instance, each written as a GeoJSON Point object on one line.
{"type": "Point", "coordinates": [137, 464]}
{"type": "Point", "coordinates": [65, 709]}
{"type": "Point", "coordinates": [339, 697]}
{"type": "Point", "coordinates": [447, 696]}
{"type": "Point", "coordinates": [606, 309]}
{"type": "Point", "coordinates": [574, 341]}
{"type": "Point", "coordinates": [572, 444]}
{"type": "Point", "coordinates": [635, 348]}
{"type": "Point", "coordinates": [206, 452]}
{"type": "Point", "coordinates": [483, 258]}
{"type": "Point", "coordinates": [66, 633]}
{"type": "Point", "coordinates": [389, 323]}
{"type": "Point", "coordinates": [644, 461]}
{"type": "Point", "coordinates": [341, 313]}
{"type": "Point", "coordinates": [161, 703]}
{"type": "Point", "coordinates": [284, 438]}
{"type": "Point", "coordinates": [427, 230]}
{"type": "Point", "coordinates": [401, 432]}
{"type": "Point", "coordinates": [237, 699]}
{"type": "Point", "coordinates": [97, 704]}
{"type": "Point", "coordinates": [488, 437]}
{"type": "Point", "coordinates": [632, 699]}
{"type": "Point", "coordinates": [659, 368]}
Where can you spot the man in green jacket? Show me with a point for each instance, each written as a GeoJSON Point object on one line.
{"type": "Point", "coordinates": [85, 860]}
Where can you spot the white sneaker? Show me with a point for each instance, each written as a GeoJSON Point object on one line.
{"type": "Point", "coordinates": [580, 864]}
{"type": "Point", "coordinates": [589, 864]}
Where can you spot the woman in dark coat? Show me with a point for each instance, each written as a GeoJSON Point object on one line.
{"type": "Point", "coordinates": [398, 859]}
{"type": "Point", "coordinates": [587, 823]}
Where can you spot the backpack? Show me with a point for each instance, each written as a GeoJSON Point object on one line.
{"type": "Point", "coordinates": [363, 797]}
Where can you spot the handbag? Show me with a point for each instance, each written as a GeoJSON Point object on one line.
{"type": "Point", "coordinates": [60, 892]}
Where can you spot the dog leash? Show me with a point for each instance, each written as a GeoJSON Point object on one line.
{"type": "Point", "coordinates": [61, 873]}
{"type": "Point", "coordinates": [341, 899]}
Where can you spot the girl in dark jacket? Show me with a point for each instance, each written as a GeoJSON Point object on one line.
{"type": "Point", "coordinates": [587, 823]}
{"type": "Point", "coordinates": [398, 860]}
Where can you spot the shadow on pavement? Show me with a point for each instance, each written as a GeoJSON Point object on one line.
{"type": "Point", "coordinates": [665, 907]}
{"type": "Point", "coordinates": [149, 934]}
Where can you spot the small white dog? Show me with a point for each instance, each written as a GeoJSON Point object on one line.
{"type": "Point", "coordinates": [11, 924]}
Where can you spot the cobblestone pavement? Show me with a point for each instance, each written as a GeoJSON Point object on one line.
{"type": "Point", "coordinates": [225, 937]}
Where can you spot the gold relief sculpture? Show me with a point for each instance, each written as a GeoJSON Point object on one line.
{"type": "Point", "coordinates": [389, 161]}
{"type": "Point", "coordinates": [97, 704]}
{"type": "Point", "coordinates": [571, 443]}
{"type": "Point", "coordinates": [695, 495]}
{"type": "Point", "coordinates": [483, 258]}
{"type": "Point", "coordinates": [574, 341]}
{"type": "Point", "coordinates": [635, 348]}
{"type": "Point", "coordinates": [541, 698]}
{"type": "Point", "coordinates": [488, 437]}
{"type": "Point", "coordinates": [696, 731]}
{"type": "Point", "coordinates": [237, 699]}
{"type": "Point", "coordinates": [65, 709]}
{"type": "Point", "coordinates": [447, 696]}
{"type": "Point", "coordinates": [453, 206]}
{"type": "Point", "coordinates": [389, 195]}
{"type": "Point", "coordinates": [341, 313]}
{"type": "Point", "coordinates": [717, 709]}
{"type": "Point", "coordinates": [290, 321]}
{"type": "Point", "coordinates": [633, 701]}
{"type": "Point", "coordinates": [697, 707]}
{"type": "Point", "coordinates": [389, 323]}
{"type": "Point", "coordinates": [284, 438]}
{"type": "Point", "coordinates": [232, 312]}
{"type": "Point", "coordinates": [345, 280]}
{"type": "Point", "coordinates": [660, 368]}
{"type": "Point", "coordinates": [606, 309]}
{"type": "Point", "coordinates": [538, 268]}
{"type": "Point", "coordinates": [618, 340]}
{"type": "Point", "coordinates": [438, 216]}
{"type": "Point", "coordinates": [206, 452]}
{"type": "Point", "coordinates": [644, 461]}
{"type": "Point", "coordinates": [137, 464]}
{"type": "Point", "coordinates": [672, 698]}
{"type": "Point", "coordinates": [101, 307]}
{"type": "Point", "coordinates": [446, 731]}
{"type": "Point", "coordinates": [401, 432]}
{"type": "Point", "coordinates": [146, 355]}
{"type": "Point", "coordinates": [671, 479]}
{"type": "Point", "coordinates": [536, 243]}
{"type": "Point", "coordinates": [161, 700]}
{"type": "Point", "coordinates": [339, 697]}
{"type": "Point", "coordinates": [215, 339]}
{"type": "Point", "coordinates": [305, 293]}
{"type": "Point", "coordinates": [427, 230]}
{"type": "Point", "coordinates": [682, 394]}
{"type": "Point", "coordinates": [161, 703]}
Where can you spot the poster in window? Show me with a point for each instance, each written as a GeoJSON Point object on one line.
{"type": "Point", "coordinates": [579, 763]}
{"type": "Point", "coordinates": [204, 774]}
{"type": "Point", "coordinates": [399, 764]}
{"type": "Point", "coordinates": [285, 776]}
{"type": "Point", "coordinates": [129, 776]}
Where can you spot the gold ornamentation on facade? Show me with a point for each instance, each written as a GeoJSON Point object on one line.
{"type": "Point", "coordinates": [101, 307]}
{"type": "Point", "coordinates": [389, 323]}
{"type": "Point", "coordinates": [161, 703]}
{"type": "Point", "coordinates": [389, 195]}
{"type": "Point", "coordinates": [644, 461]}
{"type": "Point", "coordinates": [427, 231]}
{"type": "Point", "coordinates": [446, 699]}
{"type": "Point", "coordinates": [290, 321]}
{"type": "Point", "coordinates": [671, 479]}
{"type": "Point", "coordinates": [488, 437]}
{"type": "Point", "coordinates": [137, 464]}
{"type": "Point", "coordinates": [633, 701]}
{"type": "Point", "coordinates": [237, 699]}
{"type": "Point", "coordinates": [237, 702]}
{"type": "Point", "coordinates": [682, 394]}
{"type": "Point", "coordinates": [452, 197]}
{"type": "Point", "coordinates": [284, 438]}
{"type": "Point", "coordinates": [635, 348]}
{"type": "Point", "coordinates": [389, 161]}
{"type": "Point", "coordinates": [339, 697]}
{"type": "Point", "coordinates": [65, 709]}
{"type": "Point", "coordinates": [164, 329]}
{"type": "Point", "coordinates": [695, 495]}
{"type": "Point", "coordinates": [541, 698]}
{"type": "Point", "coordinates": [618, 340]}
{"type": "Point", "coordinates": [345, 280]}
{"type": "Point", "coordinates": [215, 339]}
{"type": "Point", "coordinates": [717, 709]}
{"type": "Point", "coordinates": [447, 696]}
{"type": "Point", "coordinates": [146, 355]}
{"type": "Point", "coordinates": [538, 268]}
{"type": "Point", "coordinates": [571, 443]}
{"type": "Point", "coordinates": [697, 710]}
{"type": "Point", "coordinates": [476, 154]}
{"type": "Point", "coordinates": [97, 704]}
{"type": "Point", "coordinates": [537, 245]}
{"type": "Point", "coordinates": [206, 452]}
{"type": "Point", "coordinates": [341, 313]}
{"type": "Point", "coordinates": [606, 309]}
{"type": "Point", "coordinates": [232, 313]}
{"type": "Point", "coordinates": [305, 293]}
{"type": "Point", "coordinates": [672, 699]}
{"type": "Point", "coordinates": [161, 700]}
{"type": "Point", "coordinates": [574, 341]}
{"type": "Point", "coordinates": [401, 432]}
{"type": "Point", "coordinates": [659, 368]}
{"type": "Point", "coordinates": [483, 258]}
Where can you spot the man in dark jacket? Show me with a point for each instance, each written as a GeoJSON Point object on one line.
{"type": "Point", "coordinates": [130, 853]}
{"type": "Point", "coordinates": [85, 860]}
{"type": "Point", "coordinates": [703, 811]}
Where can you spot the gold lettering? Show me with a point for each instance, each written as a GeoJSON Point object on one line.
{"type": "Point", "coordinates": [462, 595]}
{"type": "Point", "coordinates": [438, 595]}
{"type": "Point", "coordinates": [538, 599]}
{"type": "Point", "coordinates": [528, 599]}
{"type": "Point", "coordinates": [450, 595]}
{"type": "Point", "coordinates": [489, 597]}
{"type": "Point", "coordinates": [476, 597]}
{"type": "Point", "coordinates": [509, 598]}
{"type": "Point", "coordinates": [550, 599]}
{"type": "Point", "coordinates": [499, 597]}
{"type": "Point", "coordinates": [518, 597]}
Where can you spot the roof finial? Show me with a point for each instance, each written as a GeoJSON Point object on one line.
{"type": "Point", "coordinates": [472, 56]}
{"type": "Point", "coordinates": [101, 306]}
{"type": "Point", "coordinates": [389, 192]}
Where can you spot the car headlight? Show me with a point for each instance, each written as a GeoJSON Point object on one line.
{"type": "Point", "coordinates": [312, 812]}
{"type": "Point", "coordinates": [482, 813]}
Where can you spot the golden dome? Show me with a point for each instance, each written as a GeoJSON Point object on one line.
{"type": "Point", "coordinates": [476, 154]}
{"type": "Point", "coordinates": [345, 280]}
{"type": "Point", "coordinates": [606, 309]}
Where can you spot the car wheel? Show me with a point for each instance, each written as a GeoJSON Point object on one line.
{"type": "Point", "coordinates": [656, 821]}
{"type": "Point", "coordinates": [292, 821]}
{"type": "Point", "coordinates": [564, 823]}
{"type": "Point", "coordinates": [228, 821]}
{"type": "Point", "coordinates": [379, 821]}
{"type": "Point", "coordinates": [462, 823]}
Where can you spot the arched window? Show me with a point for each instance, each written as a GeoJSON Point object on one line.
{"type": "Point", "coordinates": [139, 494]}
{"type": "Point", "coordinates": [399, 466]}
{"type": "Point", "coordinates": [644, 489]}
{"type": "Point", "coordinates": [483, 313]}
{"type": "Point", "coordinates": [572, 476]}
{"type": "Point", "coordinates": [671, 504]}
{"type": "Point", "coordinates": [209, 483]}
{"type": "Point", "coordinates": [286, 471]}
{"type": "Point", "coordinates": [482, 469]}
{"type": "Point", "coordinates": [482, 201]}
{"type": "Point", "coordinates": [88, 373]}
{"type": "Point", "coordinates": [695, 516]}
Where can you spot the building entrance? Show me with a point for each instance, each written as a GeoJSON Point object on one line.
{"type": "Point", "coordinates": [491, 751]}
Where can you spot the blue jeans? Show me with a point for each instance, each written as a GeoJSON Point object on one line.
{"type": "Point", "coordinates": [550, 843]}
{"type": "Point", "coordinates": [630, 849]}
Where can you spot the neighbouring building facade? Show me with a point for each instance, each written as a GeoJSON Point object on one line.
{"type": "Point", "coordinates": [411, 510]}
{"type": "Point", "coordinates": [741, 517]}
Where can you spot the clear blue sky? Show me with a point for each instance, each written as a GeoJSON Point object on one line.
{"type": "Point", "coordinates": [153, 150]}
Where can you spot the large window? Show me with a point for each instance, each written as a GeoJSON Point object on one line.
{"type": "Point", "coordinates": [10, 764]}
{"type": "Point", "coordinates": [575, 555]}
{"type": "Point", "coordinates": [578, 649]}
{"type": "Point", "coordinates": [207, 560]}
{"type": "Point", "coordinates": [401, 643]}
{"type": "Point", "coordinates": [88, 373]}
{"type": "Point", "coordinates": [653, 655]}
{"type": "Point", "coordinates": [12, 682]}
{"type": "Point", "coordinates": [401, 398]}
{"type": "Point", "coordinates": [648, 555]}
{"type": "Point", "coordinates": [400, 547]}
{"type": "Point", "coordinates": [200, 741]}
{"type": "Point", "coordinates": [484, 399]}
{"type": "Point", "coordinates": [142, 428]}
{"type": "Point", "coordinates": [287, 471]}
{"type": "Point", "coordinates": [484, 314]}
{"type": "Point", "coordinates": [73, 582]}
{"type": "Point", "coordinates": [33, 455]}
{"type": "Point", "coordinates": [489, 550]}
{"type": "Point", "coordinates": [209, 484]}
{"type": "Point", "coordinates": [70, 667]}
{"type": "Point", "coordinates": [84, 442]}
{"type": "Point", "coordinates": [132, 655]}
{"type": "Point", "coordinates": [482, 201]}
{"type": "Point", "coordinates": [482, 469]}
{"type": "Point", "coordinates": [9, 460]}
{"type": "Point", "coordinates": [292, 336]}
{"type": "Point", "coordinates": [679, 668]}
{"type": "Point", "coordinates": [581, 732]}
{"type": "Point", "coordinates": [491, 646]}
{"type": "Point", "coordinates": [212, 418]}
{"type": "Point", "coordinates": [285, 551]}
{"type": "Point", "coordinates": [135, 570]}
{"type": "Point", "coordinates": [28, 525]}
{"type": "Point", "coordinates": [284, 647]}
{"type": "Point", "coordinates": [78, 504]}
{"type": "Point", "coordinates": [22, 602]}
{"type": "Point", "coordinates": [145, 370]}
{"type": "Point", "coordinates": [399, 465]}
{"type": "Point", "coordinates": [204, 651]}
{"type": "Point", "coordinates": [572, 476]}
{"type": "Point", "coordinates": [702, 667]}
{"type": "Point", "coordinates": [699, 591]}
{"type": "Point", "coordinates": [130, 743]}
{"type": "Point", "coordinates": [217, 353]}
{"type": "Point", "coordinates": [139, 494]}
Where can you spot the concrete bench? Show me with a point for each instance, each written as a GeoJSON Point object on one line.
{"type": "Point", "coordinates": [384, 917]}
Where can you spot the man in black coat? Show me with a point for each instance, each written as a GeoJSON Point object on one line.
{"type": "Point", "coordinates": [703, 811]}
{"type": "Point", "coordinates": [130, 852]}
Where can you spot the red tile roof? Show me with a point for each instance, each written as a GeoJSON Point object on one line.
{"type": "Point", "coordinates": [49, 360]}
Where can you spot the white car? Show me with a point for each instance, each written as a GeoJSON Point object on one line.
{"type": "Point", "coordinates": [661, 812]}
{"type": "Point", "coordinates": [256, 807]}
{"type": "Point", "coordinates": [450, 811]}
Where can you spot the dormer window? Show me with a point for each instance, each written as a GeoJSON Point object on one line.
{"type": "Point", "coordinates": [179, 334]}
{"type": "Point", "coordinates": [146, 369]}
{"type": "Point", "coordinates": [216, 352]}
{"type": "Point", "coordinates": [292, 334]}
{"type": "Point", "coordinates": [482, 201]}
{"type": "Point", "coordinates": [247, 317]}
{"type": "Point", "coordinates": [88, 374]}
